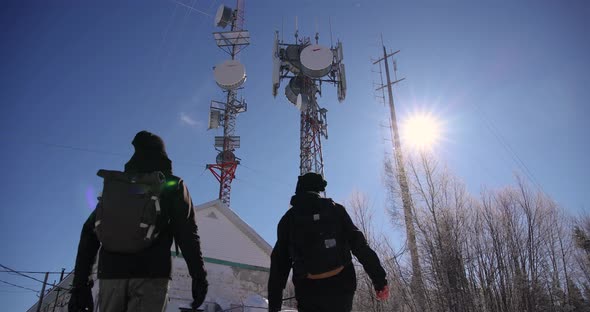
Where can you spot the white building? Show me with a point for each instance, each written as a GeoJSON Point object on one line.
{"type": "Point", "coordinates": [237, 261]}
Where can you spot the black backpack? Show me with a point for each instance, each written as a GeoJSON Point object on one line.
{"type": "Point", "coordinates": [128, 213]}
{"type": "Point", "coordinates": [317, 242]}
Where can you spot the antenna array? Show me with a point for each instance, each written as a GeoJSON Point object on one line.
{"type": "Point", "coordinates": [307, 65]}
{"type": "Point", "coordinates": [229, 75]}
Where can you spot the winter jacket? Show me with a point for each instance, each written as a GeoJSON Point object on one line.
{"type": "Point", "coordinates": [345, 282]}
{"type": "Point", "coordinates": [155, 261]}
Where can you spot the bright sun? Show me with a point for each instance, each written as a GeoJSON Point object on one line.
{"type": "Point", "coordinates": [421, 131]}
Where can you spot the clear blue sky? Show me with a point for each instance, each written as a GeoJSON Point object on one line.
{"type": "Point", "coordinates": [80, 78]}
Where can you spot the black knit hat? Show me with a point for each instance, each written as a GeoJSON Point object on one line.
{"type": "Point", "coordinates": [148, 142]}
{"type": "Point", "coordinates": [150, 154]}
{"type": "Point", "coordinates": [311, 182]}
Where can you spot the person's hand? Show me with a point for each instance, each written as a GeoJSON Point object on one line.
{"type": "Point", "coordinates": [81, 299]}
{"type": "Point", "coordinates": [382, 294]}
{"type": "Point", "coordinates": [199, 289]}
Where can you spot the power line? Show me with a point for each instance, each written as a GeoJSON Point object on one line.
{"type": "Point", "coordinates": [508, 148]}
{"type": "Point", "coordinates": [14, 285]}
{"type": "Point", "coordinates": [30, 277]}
{"type": "Point", "coordinates": [191, 8]}
{"type": "Point", "coordinates": [32, 272]}
{"type": "Point", "coordinates": [100, 152]}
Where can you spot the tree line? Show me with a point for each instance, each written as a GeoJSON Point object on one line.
{"type": "Point", "coordinates": [504, 250]}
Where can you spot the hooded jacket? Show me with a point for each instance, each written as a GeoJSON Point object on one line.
{"type": "Point", "coordinates": [342, 284]}
{"type": "Point", "coordinates": [154, 261]}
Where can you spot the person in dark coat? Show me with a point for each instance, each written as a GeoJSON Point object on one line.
{"type": "Point", "coordinates": [334, 289]}
{"type": "Point", "coordinates": [139, 282]}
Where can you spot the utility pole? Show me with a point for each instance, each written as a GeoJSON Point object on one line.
{"type": "Point", "coordinates": [42, 292]}
{"type": "Point", "coordinates": [417, 282]}
{"type": "Point", "coordinates": [61, 277]}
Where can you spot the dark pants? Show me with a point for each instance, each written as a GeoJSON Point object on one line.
{"type": "Point", "coordinates": [134, 294]}
{"type": "Point", "coordinates": [325, 303]}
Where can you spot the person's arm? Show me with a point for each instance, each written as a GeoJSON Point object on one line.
{"type": "Point", "coordinates": [280, 265]}
{"type": "Point", "coordinates": [185, 231]}
{"type": "Point", "coordinates": [361, 250]}
{"type": "Point", "coordinates": [87, 250]}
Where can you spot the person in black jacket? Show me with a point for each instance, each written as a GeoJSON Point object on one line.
{"type": "Point", "coordinates": [317, 290]}
{"type": "Point", "coordinates": [139, 282]}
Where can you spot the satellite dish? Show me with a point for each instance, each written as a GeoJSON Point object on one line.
{"type": "Point", "coordinates": [223, 16]}
{"type": "Point", "coordinates": [225, 157]}
{"type": "Point", "coordinates": [276, 66]}
{"type": "Point", "coordinates": [293, 89]}
{"type": "Point", "coordinates": [316, 61]}
{"type": "Point", "coordinates": [230, 74]}
{"type": "Point", "coordinates": [342, 83]}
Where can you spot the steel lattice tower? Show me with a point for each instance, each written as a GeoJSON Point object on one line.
{"type": "Point", "coordinates": [225, 113]}
{"type": "Point", "coordinates": [307, 65]}
{"type": "Point", "coordinates": [313, 127]}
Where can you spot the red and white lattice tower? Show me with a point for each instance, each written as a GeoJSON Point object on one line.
{"type": "Point", "coordinates": [307, 65]}
{"type": "Point", "coordinates": [229, 75]}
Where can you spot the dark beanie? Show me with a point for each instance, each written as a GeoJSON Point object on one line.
{"type": "Point", "coordinates": [147, 142]}
{"type": "Point", "coordinates": [311, 182]}
{"type": "Point", "coordinates": [150, 154]}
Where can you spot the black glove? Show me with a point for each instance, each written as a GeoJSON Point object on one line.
{"type": "Point", "coordinates": [200, 287]}
{"type": "Point", "coordinates": [275, 301]}
{"type": "Point", "coordinates": [274, 309]}
{"type": "Point", "coordinates": [81, 298]}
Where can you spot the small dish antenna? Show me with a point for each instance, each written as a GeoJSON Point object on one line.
{"type": "Point", "coordinates": [224, 157]}
{"type": "Point", "coordinates": [293, 89]}
{"type": "Point", "coordinates": [223, 16]}
{"type": "Point", "coordinates": [230, 74]}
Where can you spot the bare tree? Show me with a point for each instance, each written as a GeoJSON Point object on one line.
{"type": "Point", "coordinates": [508, 250]}
{"type": "Point", "coordinates": [362, 216]}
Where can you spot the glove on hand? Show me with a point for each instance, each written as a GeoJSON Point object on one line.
{"type": "Point", "coordinates": [81, 299]}
{"type": "Point", "coordinates": [382, 294]}
{"type": "Point", "coordinates": [199, 288]}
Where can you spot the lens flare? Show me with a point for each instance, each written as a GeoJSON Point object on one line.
{"type": "Point", "coordinates": [421, 131]}
{"type": "Point", "coordinates": [91, 199]}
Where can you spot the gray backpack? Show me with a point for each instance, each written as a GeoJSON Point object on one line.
{"type": "Point", "coordinates": [129, 209]}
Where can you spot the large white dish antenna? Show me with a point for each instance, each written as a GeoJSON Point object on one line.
{"type": "Point", "coordinates": [230, 74]}
{"type": "Point", "coordinates": [316, 61]}
{"type": "Point", "coordinates": [223, 16]}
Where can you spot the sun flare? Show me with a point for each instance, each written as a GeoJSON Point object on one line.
{"type": "Point", "coordinates": [421, 131]}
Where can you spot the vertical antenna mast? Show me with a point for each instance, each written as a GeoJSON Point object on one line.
{"type": "Point", "coordinates": [229, 75]}
{"type": "Point", "coordinates": [417, 282]}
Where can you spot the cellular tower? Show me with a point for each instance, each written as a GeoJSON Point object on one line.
{"type": "Point", "coordinates": [308, 65]}
{"type": "Point", "coordinates": [229, 75]}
